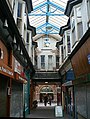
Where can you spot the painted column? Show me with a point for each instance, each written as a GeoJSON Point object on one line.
{"type": "Point", "coordinates": [27, 93]}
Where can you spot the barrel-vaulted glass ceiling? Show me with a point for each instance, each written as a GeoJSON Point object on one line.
{"type": "Point", "coordinates": [48, 16]}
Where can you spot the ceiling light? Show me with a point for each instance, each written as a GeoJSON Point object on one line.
{"type": "Point", "coordinates": [48, 27]}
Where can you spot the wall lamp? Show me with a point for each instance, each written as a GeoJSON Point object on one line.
{"type": "Point", "coordinates": [5, 23]}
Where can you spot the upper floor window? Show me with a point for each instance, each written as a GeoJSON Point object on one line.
{"type": "Point", "coordinates": [62, 56]}
{"type": "Point", "coordinates": [73, 28]}
{"type": "Point", "coordinates": [27, 42]}
{"type": "Point", "coordinates": [57, 61]}
{"type": "Point", "coordinates": [19, 13]}
{"type": "Point", "coordinates": [64, 45]}
{"type": "Point", "coordinates": [72, 21]}
{"type": "Point", "coordinates": [68, 43]}
{"type": "Point", "coordinates": [79, 22]}
{"type": "Point", "coordinates": [27, 37]}
{"type": "Point", "coordinates": [64, 49]}
{"type": "Point", "coordinates": [19, 16]}
{"type": "Point", "coordinates": [42, 61]}
{"type": "Point", "coordinates": [88, 7]}
{"type": "Point", "coordinates": [64, 39]}
{"type": "Point", "coordinates": [76, 25]}
{"type": "Point", "coordinates": [50, 64]}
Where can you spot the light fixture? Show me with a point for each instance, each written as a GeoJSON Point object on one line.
{"type": "Point", "coordinates": [48, 27]}
{"type": "Point", "coordinates": [5, 23]}
{"type": "Point", "coordinates": [46, 82]}
{"type": "Point", "coordinates": [14, 40]}
{"type": "Point", "coordinates": [21, 52]}
{"type": "Point", "coordinates": [19, 47]}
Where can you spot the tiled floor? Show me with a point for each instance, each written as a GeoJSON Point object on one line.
{"type": "Point", "coordinates": [46, 112]}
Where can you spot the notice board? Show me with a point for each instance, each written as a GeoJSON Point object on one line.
{"type": "Point", "coordinates": [58, 111]}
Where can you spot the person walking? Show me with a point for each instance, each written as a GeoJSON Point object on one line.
{"type": "Point", "coordinates": [50, 99]}
{"type": "Point", "coordinates": [45, 100]}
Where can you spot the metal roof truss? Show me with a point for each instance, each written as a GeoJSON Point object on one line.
{"type": "Point", "coordinates": [47, 9]}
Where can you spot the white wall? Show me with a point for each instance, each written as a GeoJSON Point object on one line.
{"type": "Point", "coordinates": [51, 50]}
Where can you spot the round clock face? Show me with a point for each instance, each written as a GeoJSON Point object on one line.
{"type": "Point", "coordinates": [46, 43]}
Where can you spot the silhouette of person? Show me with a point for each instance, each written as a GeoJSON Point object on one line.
{"type": "Point", "coordinates": [45, 100]}
{"type": "Point", "coordinates": [50, 99]}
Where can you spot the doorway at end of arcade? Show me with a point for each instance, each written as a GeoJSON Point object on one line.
{"type": "Point", "coordinates": [46, 90]}
{"type": "Point", "coordinates": [42, 94]}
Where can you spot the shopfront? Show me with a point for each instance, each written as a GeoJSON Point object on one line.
{"type": "Point", "coordinates": [6, 75]}
{"type": "Point", "coordinates": [17, 97]}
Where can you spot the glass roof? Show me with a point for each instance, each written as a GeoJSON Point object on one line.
{"type": "Point", "coordinates": [48, 16]}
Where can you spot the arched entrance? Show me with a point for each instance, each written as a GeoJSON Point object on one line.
{"type": "Point", "coordinates": [46, 90]}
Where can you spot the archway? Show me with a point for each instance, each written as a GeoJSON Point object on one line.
{"type": "Point", "coordinates": [46, 90]}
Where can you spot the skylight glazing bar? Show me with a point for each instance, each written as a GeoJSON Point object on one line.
{"type": "Point", "coordinates": [48, 13]}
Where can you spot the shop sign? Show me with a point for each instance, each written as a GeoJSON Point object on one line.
{"type": "Point", "coordinates": [20, 78]}
{"type": "Point", "coordinates": [88, 58]}
{"type": "Point", "coordinates": [7, 71]}
{"type": "Point", "coordinates": [17, 67]}
{"type": "Point", "coordinates": [70, 75]}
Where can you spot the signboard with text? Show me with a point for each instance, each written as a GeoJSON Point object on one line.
{"type": "Point", "coordinates": [58, 111]}
{"type": "Point", "coordinates": [5, 70]}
